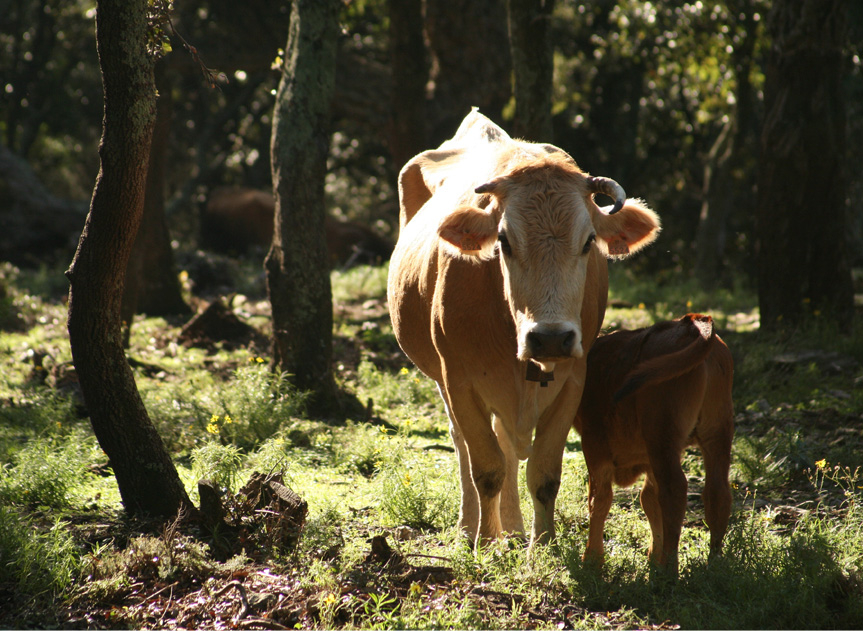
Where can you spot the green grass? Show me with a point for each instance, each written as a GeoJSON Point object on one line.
{"type": "Point", "coordinates": [794, 550]}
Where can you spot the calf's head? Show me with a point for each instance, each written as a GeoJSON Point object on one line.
{"type": "Point", "coordinates": [541, 222]}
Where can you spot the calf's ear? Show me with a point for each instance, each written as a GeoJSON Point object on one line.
{"type": "Point", "coordinates": [472, 231]}
{"type": "Point", "coordinates": [626, 231]}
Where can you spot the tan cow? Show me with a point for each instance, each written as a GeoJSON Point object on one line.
{"type": "Point", "coordinates": [497, 288]}
{"type": "Point", "coordinates": [649, 394]}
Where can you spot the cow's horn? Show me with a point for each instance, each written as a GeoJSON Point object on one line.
{"type": "Point", "coordinates": [609, 187]}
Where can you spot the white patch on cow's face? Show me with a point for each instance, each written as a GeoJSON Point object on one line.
{"type": "Point", "coordinates": [544, 241]}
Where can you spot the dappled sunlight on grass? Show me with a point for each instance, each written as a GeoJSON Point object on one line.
{"type": "Point", "coordinates": [792, 552]}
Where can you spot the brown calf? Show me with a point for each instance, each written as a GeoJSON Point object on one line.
{"type": "Point", "coordinates": [649, 394]}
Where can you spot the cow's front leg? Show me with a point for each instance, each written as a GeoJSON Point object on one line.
{"type": "Point", "coordinates": [487, 463]}
{"type": "Point", "coordinates": [544, 471]}
{"type": "Point", "coordinates": [510, 502]}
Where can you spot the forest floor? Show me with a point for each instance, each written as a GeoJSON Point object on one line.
{"type": "Point", "coordinates": [373, 543]}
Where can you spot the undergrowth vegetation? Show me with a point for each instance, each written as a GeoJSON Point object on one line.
{"type": "Point", "coordinates": [380, 547]}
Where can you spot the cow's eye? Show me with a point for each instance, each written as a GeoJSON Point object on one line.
{"type": "Point", "coordinates": [504, 243]}
{"type": "Point", "coordinates": [586, 247]}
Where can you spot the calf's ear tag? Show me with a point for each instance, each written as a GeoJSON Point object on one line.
{"type": "Point", "coordinates": [535, 373]}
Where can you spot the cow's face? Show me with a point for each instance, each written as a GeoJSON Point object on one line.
{"type": "Point", "coordinates": [542, 224]}
{"type": "Point", "coordinates": [544, 239]}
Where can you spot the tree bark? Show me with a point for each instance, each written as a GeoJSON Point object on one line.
{"type": "Point", "coordinates": [470, 62]}
{"type": "Point", "coordinates": [410, 75]}
{"type": "Point", "coordinates": [729, 171]}
{"type": "Point", "coordinates": [803, 262]}
{"type": "Point", "coordinates": [532, 67]}
{"type": "Point", "coordinates": [298, 278]}
{"type": "Point", "coordinates": [146, 477]}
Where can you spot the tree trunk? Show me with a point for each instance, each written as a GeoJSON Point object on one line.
{"type": "Point", "coordinates": [152, 261]}
{"type": "Point", "coordinates": [147, 479]}
{"type": "Point", "coordinates": [410, 75]}
{"type": "Point", "coordinates": [470, 62]}
{"type": "Point", "coordinates": [152, 286]}
{"type": "Point", "coordinates": [298, 278]}
{"type": "Point", "coordinates": [532, 67]}
{"type": "Point", "coordinates": [729, 171]}
{"type": "Point", "coordinates": [803, 262]}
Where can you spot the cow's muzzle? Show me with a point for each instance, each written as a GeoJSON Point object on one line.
{"type": "Point", "coordinates": [547, 345]}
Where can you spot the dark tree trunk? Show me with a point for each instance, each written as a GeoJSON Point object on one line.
{"type": "Point", "coordinates": [147, 479]}
{"type": "Point", "coordinates": [803, 261]}
{"type": "Point", "coordinates": [298, 277]}
{"type": "Point", "coordinates": [410, 75]}
{"type": "Point", "coordinates": [470, 62]}
{"type": "Point", "coordinates": [152, 286]}
{"type": "Point", "coordinates": [532, 67]}
{"type": "Point", "coordinates": [729, 173]}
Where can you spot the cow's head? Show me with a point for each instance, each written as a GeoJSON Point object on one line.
{"type": "Point", "coordinates": [541, 220]}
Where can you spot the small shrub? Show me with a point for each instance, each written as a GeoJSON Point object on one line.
{"type": "Point", "coordinates": [368, 449]}
{"type": "Point", "coordinates": [254, 406]}
{"type": "Point", "coordinates": [420, 496]}
{"type": "Point", "coordinates": [219, 463]}
{"type": "Point", "coordinates": [45, 471]}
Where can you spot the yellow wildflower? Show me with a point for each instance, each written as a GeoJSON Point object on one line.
{"type": "Point", "coordinates": [821, 463]}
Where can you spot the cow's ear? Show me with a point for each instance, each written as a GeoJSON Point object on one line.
{"type": "Point", "coordinates": [626, 231]}
{"type": "Point", "coordinates": [422, 176]}
{"type": "Point", "coordinates": [472, 231]}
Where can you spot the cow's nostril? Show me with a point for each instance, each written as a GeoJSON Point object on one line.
{"type": "Point", "coordinates": [549, 345]}
{"type": "Point", "coordinates": [569, 342]}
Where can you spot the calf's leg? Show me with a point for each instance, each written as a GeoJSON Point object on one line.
{"type": "Point", "coordinates": [600, 496]}
{"type": "Point", "coordinates": [650, 505]}
{"type": "Point", "coordinates": [716, 451]}
{"type": "Point", "coordinates": [670, 483]}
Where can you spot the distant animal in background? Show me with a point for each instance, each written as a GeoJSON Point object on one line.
{"type": "Point", "coordinates": [236, 220]}
{"type": "Point", "coordinates": [650, 393]}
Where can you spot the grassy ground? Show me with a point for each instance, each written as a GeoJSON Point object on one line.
{"type": "Point", "coordinates": [379, 548]}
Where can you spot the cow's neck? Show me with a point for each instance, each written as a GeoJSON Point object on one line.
{"type": "Point", "coordinates": [535, 373]}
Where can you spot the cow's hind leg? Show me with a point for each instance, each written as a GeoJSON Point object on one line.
{"type": "Point", "coordinates": [468, 514]}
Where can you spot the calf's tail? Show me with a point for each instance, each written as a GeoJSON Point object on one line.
{"type": "Point", "coordinates": [670, 365]}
